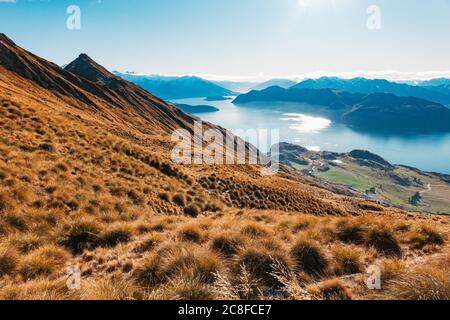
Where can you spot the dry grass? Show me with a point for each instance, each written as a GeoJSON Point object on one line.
{"type": "Point", "coordinates": [426, 236]}
{"type": "Point", "coordinates": [227, 244]}
{"type": "Point", "coordinates": [333, 289]}
{"type": "Point", "coordinates": [383, 240]}
{"type": "Point", "coordinates": [76, 189]}
{"type": "Point", "coordinates": [191, 233]}
{"type": "Point", "coordinates": [8, 260]}
{"type": "Point", "coordinates": [421, 284]}
{"type": "Point", "coordinates": [309, 257]}
{"type": "Point", "coordinates": [43, 262]}
{"type": "Point", "coordinates": [347, 260]}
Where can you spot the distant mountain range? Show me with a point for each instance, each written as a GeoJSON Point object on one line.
{"type": "Point", "coordinates": [170, 88]}
{"type": "Point", "coordinates": [375, 111]}
{"type": "Point", "coordinates": [283, 83]}
{"type": "Point", "coordinates": [441, 85]}
{"type": "Point", "coordinates": [237, 86]}
{"type": "Point", "coordinates": [362, 85]}
{"type": "Point", "coordinates": [435, 82]}
{"type": "Point", "coordinates": [246, 86]}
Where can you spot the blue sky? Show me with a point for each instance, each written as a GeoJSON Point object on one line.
{"type": "Point", "coordinates": [238, 38]}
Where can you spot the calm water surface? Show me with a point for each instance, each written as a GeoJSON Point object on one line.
{"type": "Point", "coordinates": [299, 124]}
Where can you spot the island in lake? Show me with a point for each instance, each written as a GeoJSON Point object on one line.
{"type": "Point", "coordinates": [217, 98]}
{"type": "Point", "coordinates": [196, 109]}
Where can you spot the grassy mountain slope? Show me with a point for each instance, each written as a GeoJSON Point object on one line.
{"type": "Point", "coordinates": [86, 180]}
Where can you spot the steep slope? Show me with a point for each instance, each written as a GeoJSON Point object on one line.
{"type": "Point", "coordinates": [96, 89]}
{"type": "Point", "coordinates": [177, 87]}
{"type": "Point", "coordinates": [89, 182]}
{"type": "Point", "coordinates": [362, 85]}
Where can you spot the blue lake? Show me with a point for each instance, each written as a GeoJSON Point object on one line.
{"type": "Point", "coordinates": [299, 124]}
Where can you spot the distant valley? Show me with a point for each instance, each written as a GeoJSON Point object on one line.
{"type": "Point", "coordinates": [361, 173]}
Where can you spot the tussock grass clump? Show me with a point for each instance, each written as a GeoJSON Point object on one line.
{"type": "Point", "coordinates": [192, 211]}
{"type": "Point", "coordinates": [254, 230]}
{"type": "Point", "coordinates": [214, 206]}
{"type": "Point", "coordinates": [164, 196]}
{"type": "Point", "coordinates": [308, 257]}
{"type": "Point", "coordinates": [43, 262]}
{"type": "Point", "coordinates": [7, 203]}
{"type": "Point", "coordinates": [348, 232]}
{"type": "Point", "coordinates": [149, 273]}
{"type": "Point", "coordinates": [182, 288]}
{"type": "Point", "coordinates": [25, 243]}
{"type": "Point", "coordinates": [227, 244]}
{"type": "Point", "coordinates": [260, 264]}
{"type": "Point", "coordinates": [149, 243]}
{"type": "Point", "coordinates": [346, 260]}
{"type": "Point", "coordinates": [421, 284]}
{"type": "Point", "coordinates": [333, 289]}
{"type": "Point", "coordinates": [113, 289]}
{"type": "Point", "coordinates": [391, 268]}
{"type": "Point", "coordinates": [384, 242]}
{"type": "Point", "coordinates": [38, 289]}
{"type": "Point", "coordinates": [191, 233]}
{"type": "Point", "coordinates": [199, 263]}
{"type": "Point", "coordinates": [302, 223]}
{"type": "Point", "coordinates": [426, 235]}
{"type": "Point", "coordinates": [48, 147]}
{"type": "Point", "coordinates": [175, 261]}
{"type": "Point", "coordinates": [120, 233]}
{"type": "Point", "coordinates": [82, 235]}
{"type": "Point", "coordinates": [9, 259]}
{"type": "Point", "coordinates": [17, 221]}
{"type": "Point", "coordinates": [179, 200]}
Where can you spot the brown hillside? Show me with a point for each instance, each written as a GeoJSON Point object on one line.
{"type": "Point", "coordinates": [86, 180]}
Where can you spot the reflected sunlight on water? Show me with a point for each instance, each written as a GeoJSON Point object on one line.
{"type": "Point", "coordinates": [306, 124]}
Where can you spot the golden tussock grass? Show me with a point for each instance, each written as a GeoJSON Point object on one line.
{"type": "Point", "coordinates": [309, 257]}
{"type": "Point", "coordinates": [76, 190]}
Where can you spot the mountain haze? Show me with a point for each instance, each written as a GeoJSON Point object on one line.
{"type": "Point", "coordinates": [362, 85]}
{"type": "Point", "coordinates": [283, 83]}
{"type": "Point", "coordinates": [176, 87]}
